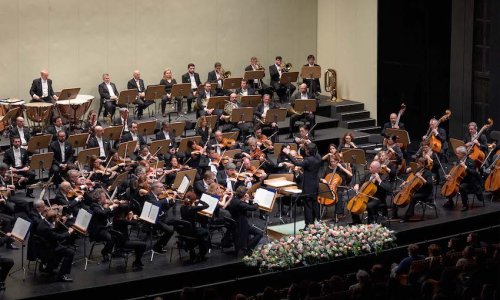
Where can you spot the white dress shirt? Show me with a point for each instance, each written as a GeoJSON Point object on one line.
{"type": "Point", "coordinates": [125, 124]}
{"type": "Point", "coordinates": [303, 96]}
{"type": "Point", "coordinates": [21, 135]}
{"type": "Point", "coordinates": [138, 85]}
{"type": "Point", "coordinates": [110, 90]}
{"type": "Point", "coordinates": [102, 153]}
{"type": "Point", "coordinates": [266, 108]}
{"type": "Point", "coordinates": [63, 155]}
{"type": "Point", "coordinates": [193, 81]}
{"type": "Point", "coordinates": [134, 136]}
{"type": "Point", "coordinates": [45, 88]}
{"type": "Point", "coordinates": [17, 157]}
{"type": "Point", "coordinates": [279, 69]}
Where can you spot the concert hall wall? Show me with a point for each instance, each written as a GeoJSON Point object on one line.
{"type": "Point", "coordinates": [77, 41]}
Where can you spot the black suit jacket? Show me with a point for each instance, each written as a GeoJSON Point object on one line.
{"type": "Point", "coordinates": [68, 153]}
{"type": "Point", "coordinates": [212, 77]}
{"type": "Point", "coordinates": [100, 217]}
{"type": "Point", "coordinates": [260, 108]}
{"type": "Point", "coordinates": [187, 79]}
{"type": "Point", "coordinates": [311, 166]}
{"type": "Point", "coordinates": [275, 75]}
{"type": "Point", "coordinates": [104, 92]}
{"type": "Point", "coordinates": [53, 238]}
{"type": "Point", "coordinates": [250, 91]}
{"type": "Point", "coordinates": [36, 88]}
{"type": "Point", "coordinates": [94, 144]}
{"type": "Point", "coordinates": [8, 157]}
{"type": "Point", "coordinates": [127, 137]}
{"type": "Point", "coordinates": [14, 132]}
{"type": "Point", "coordinates": [238, 210]}
{"type": "Point", "coordinates": [52, 130]}
{"type": "Point", "coordinates": [131, 84]}
{"type": "Point", "coordinates": [199, 187]}
{"type": "Point", "coordinates": [297, 96]}
{"type": "Point", "coordinates": [118, 121]}
{"type": "Point", "coordinates": [168, 85]}
{"type": "Point", "coordinates": [202, 95]}
{"type": "Point", "coordinates": [251, 82]}
{"type": "Point", "coordinates": [483, 141]}
{"type": "Point", "coordinates": [389, 125]}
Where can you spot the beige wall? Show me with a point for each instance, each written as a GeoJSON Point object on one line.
{"type": "Point", "coordinates": [79, 40]}
{"type": "Point", "coordinates": [347, 41]}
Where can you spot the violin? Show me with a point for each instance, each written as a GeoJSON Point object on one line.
{"type": "Point", "coordinates": [228, 143]}
{"type": "Point", "coordinates": [74, 193]}
{"type": "Point", "coordinates": [357, 205]}
{"type": "Point", "coordinates": [167, 193]}
{"type": "Point", "coordinates": [256, 154]}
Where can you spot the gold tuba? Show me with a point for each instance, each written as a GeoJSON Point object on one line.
{"type": "Point", "coordinates": [331, 83]}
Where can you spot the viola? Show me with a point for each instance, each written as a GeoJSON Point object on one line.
{"type": "Point", "coordinates": [357, 205]}
{"type": "Point", "coordinates": [167, 193]}
{"type": "Point", "coordinates": [74, 193]}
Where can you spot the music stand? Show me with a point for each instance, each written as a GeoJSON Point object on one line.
{"type": "Point", "coordinates": [181, 90]}
{"type": "Point", "coordinates": [177, 128]}
{"type": "Point", "coordinates": [184, 141]}
{"type": "Point", "coordinates": [354, 156]}
{"type": "Point", "coordinates": [233, 135]}
{"type": "Point", "coordinates": [78, 140]}
{"type": "Point", "coordinates": [252, 75]}
{"type": "Point", "coordinates": [69, 94]}
{"type": "Point", "coordinates": [112, 133]}
{"type": "Point", "coordinates": [153, 93]}
{"type": "Point", "coordinates": [19, 233]}
{"type": "Point", "coordinates": [118, 180]}
{"type": "Point", "coordinates": [403, 136]}
{"type": "Point", "coordinates": [232, 153]}
{"type": "Point", "coordinates": [288, 77]}
{"type": "Point", "coordinates": [84, 155]}
{"type": "Point", "coordinates": [244, 114]}
{"type": "Point", "coordinates": [191, 174]}
{"type": "Point", "coordinates": [41, 162]}
{"type": "Point", "coordinates": [308, 72]}
{"type": "Point", "coordinates": [217, 102]}
{"type": "Point", "coordinates": [130, 146]}
{"type": "Point", "coordinates": [275, 115]}
{"type": "Point", "coordinates": [126, 97]}
{"type": "Point", "coordinates": [231, 83]}
{"type": "Point", "coordinates": [305, 105]}
{"type": "Point", "coordinates": [39, 142]}
{"type": "Point", "coordinates": [163, 145]}
{"type": "Point", "coordinates": [81, 226]}
{"type": "Point", "coordinates": [146, 128]}
{"type": "Point", "coordinates": [211, 121]}
{"type": "Point", "coordinates": [250, 101]}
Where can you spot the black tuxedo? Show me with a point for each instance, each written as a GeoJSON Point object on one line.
{"type": "Point", "coordinates": [127, 137]}
{"type": "Point", "coordinates": [99, 226]}
{"type": "Point", "coordinates": [379, 200]}
{"type": "Point", "coordinates": [14, 132]}
{"type": "Point", "coordinates": [212, 78]}
{"type": "Point", "coordinates": [132, 85]}
{"type": "Point", "coordinates": [141, 103]}
{"type": "Point", "coordinates": [267, 129]}
{"type": "Point", "coordinates": [281, 90]}
{"type": "Point", "coordinates": [93, 143]}
{"type": "Point", "coordinates": [238, 210]}
{"type": "Point", "coordinates": [201, 108]}
{"type": "Point", "coordinates": [8, 157]}
{"type": "Point", "coordinates": [313, 84]}
{"type": "Point", "coordinates": [52, 130]}
{"type": "Point", "coordinates": [109, 105]}
{"type": "Point", "coordinates": [161, 221]}
{"type": "Point", "coordinates": [55, 248]}
{"type": "Point", "coordinates": [389, 125]}
{"type": "Point", "coordinates": [68, 156]}
{"type": "Point", "coordinates": [187, 79]}
{"type": "Point", "coordinates": [36, 89]}
{"type": "Point", "coordinates": [483, 141]}
{"type": "Point", "coordinates": [311, 118]}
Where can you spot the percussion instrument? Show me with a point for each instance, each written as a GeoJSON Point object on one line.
{"type": "Point", "coordinates": [74, 109]}
{"type": "Point", "coordinates": [39, 113]}
{"type": "Point", "coordinates": [11, 103]}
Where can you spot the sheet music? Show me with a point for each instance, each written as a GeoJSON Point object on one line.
{"type": "Point", "coordinates": [184, 185]}
{"type": "Point", "coordinates": [264, 198]}
{"type": "Point", "coordinates": [149, 212]}
{"type": "Point", "coordinates": [212, 202]}
{"type": "Point", "coordinates": [21, 228]}
{"type": "Point", "coordinates": [83, 219]}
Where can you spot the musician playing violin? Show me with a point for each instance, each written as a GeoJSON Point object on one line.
{"type": "Point", "coordinates": [378, 201]}
{"type": "Point", "coordinates": [201, 186]}
{"type": "Point", "coordinates": [302, 139]}
{"type": "Point", "coordinates": [422, 194]}
{"type": "Point", "coordinates": [162, 221]}
{"type": "Point", "coordinates": [263, 141]}
{"type": "Point", "coordinates": [189, 212]}
{"type": "Point", "coordinates": [393, 151]}
{"type": "Point", "coordinates": [470, 184]}
{"type": "Point", "coordinates": [69, 200]}
{"type": "Point", "coordinates": [99, 172]}
{"type": "Point", "coordinates": [102, 215]}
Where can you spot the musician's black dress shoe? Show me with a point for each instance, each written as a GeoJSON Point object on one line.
{"type": "Point", "coordinates": [11, 246]}
{"type": "Point", "coordinates": [65, 278]}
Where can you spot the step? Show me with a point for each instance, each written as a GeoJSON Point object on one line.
{"type": "Point", "coordinates": [348, 107]}
{"type": "Point", "coordinates": [353, 115]}
{"type": "Point", "coordinates": [322, 123]}
{"type": "Point", "coordinates": [370, 129]}
{"type": "Point", "coordinates": [355, 124]}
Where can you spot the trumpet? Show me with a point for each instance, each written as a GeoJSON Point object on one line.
{"type": "Point", "coordinates": [286, 67]}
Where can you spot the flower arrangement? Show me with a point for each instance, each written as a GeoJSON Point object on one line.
{"type": "Point", "coordinates": [320, 243]}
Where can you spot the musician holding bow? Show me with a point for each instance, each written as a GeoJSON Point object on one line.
{"type": "Point", "coordinates": [18, 161]}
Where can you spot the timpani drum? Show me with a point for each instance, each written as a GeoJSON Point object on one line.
{"type": "Point", "coordinates": [11, 103]}
{"type": "Point", "coordinates": [38, 113]}
{"type": "Point", "coordinates": [74, 109]}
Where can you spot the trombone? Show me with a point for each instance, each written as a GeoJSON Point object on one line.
{"type": "Point", "coordinates": [224, 74]}
{"type": "Point", "coordinates": [286, 67]}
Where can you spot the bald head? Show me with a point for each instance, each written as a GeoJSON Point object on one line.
{"type": "Point", "coordinates": [44, 74]}
{"type": "Point", "coordinates": [303, 88]}
{"type": "Point", "coordinates": [98, 130]}
{"type": "Point", "coordinates": [137, 74]}
{"type": "Point", "coordinates": [374, 167]}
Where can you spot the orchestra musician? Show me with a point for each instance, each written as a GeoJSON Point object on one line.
{"type": "Point", "coordinates": [194, 79]}
{"type": "Point", "coordinates": [102, 211]}
{"type": "Point", "coordinates": [5, 263]}
{"type": "Point", "coordinates": [332, 150]}
{"type": "Point", "coordinates": [245, 89]}
{"type": "Point", "coordinates": [189, 212]}
{"type": "Point", "coordinates": [216, 76]}
{"type": "Point", "coordinates": [311, 165]}
{"type": "Point", "coordinates": [275, 71]}
{"type": "Point", "coordinates": [347, 141]}
{"type": "Point", "coordinates": [228, 177]}
{"type": "Point", "coordinates": [247, 237]}
{"type": "Point", "coordinates": [18, 161]}
{"type": "Point", "coordinates": [91, 122]}
{"type": "Point", "coordinates": [137, 83]}
{"type": "Point", "coordinates": [258, 84]}
{"type": "Point", "coordinates": [99, 173]}
{"type": "Point", "coordinates": [168, 81]}
{"type": "Point", "coordinates": [393, 149]}
{"type": "Point", "coordinates": [123, 120]}
{"type": "Point", "coordinates": [302, 139]}
{"type": "Point", "coordinates": [7, 205]}
{"type": "Point", "coordinates": [63, 157]}
{"type": "Point", "coordinates": [203, 130]}
{"type": "Point", "coordinates": [162, 221]}
{"type": "Point", "coordinates": [122, 219]}
{"type": "Point", "coordinates": [98, 141]}
{"type": "Point", "coordinates": [378, 201]}
{"type": "Point", "coordinates": [166, 134]}
{"type": "Point", "coordinates": [109, 95]}
{"type": "Point", "coordinates": [345, 173]}
{"type": "Point", "coordinates": [225, 123]}
{"type": "Point", "coordinates": [57, 125]}
{"type": "Point", "coordinates": [201, 186]}
{"type": "Point", "coordinates": [470, 184]}
{"type": "Point", "coordinates": [69, 199]}
{"type": "Point", "coordinates": [21, 131]}
{"type": "Point", "coordinates": [422, 194]}
{"type": "Point", "coordinates": [261, 112]}
{"type": "Point", "coordinates": [313, 84]}
{"type": "Point", "coordinates": [308, 116]}
{"type": "Point", "coordinates": [481, 141]}
{"type": "Point", "coordinates": [393, 117]}
{"type": "Point", "coordinates": [41, 88]}
{"type": "Point", "coordinates": [440, 134]}
{"type": "Point", "coordinates": [202, 101]}
{"type": "Point", "coordinates": [55, 238]}
{"type": "Point", "coordinates": [132, 135]}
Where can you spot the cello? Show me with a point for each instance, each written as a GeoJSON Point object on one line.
{"type": "Point", "coordinates": [457, 173]}
{"type": "Point", "coordinates": [333, 180]}
{"type": "Point", "coordinates": [492, 183]}
{"type": "Point", "coordinates": [474, 152]}
{"type": "Point", "coordinates": [357, 205]}
{"type": "Point", "coordinates": [430, 139]}
{"type": "Point", "coordinates": [412, 184]}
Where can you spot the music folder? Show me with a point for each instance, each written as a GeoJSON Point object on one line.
{"type": "Point", "coordinates": [20, 230]}
{"type": "Point", "coordinates": [212, 202]}
{"type": "Point", "coordinates": [184, 185]}
{"type": "Point", "coordinates": [149, 212]}
{"type": "Point", "coordinates": [82, 221]}
{"type": "Point", "coordinates": [265, 199]}
{"type": "Point", "coordinates": [68, 94]}
{"type": "Point", "coordinates": [251, 75]}
{"type": "Point", "coordinates": [288, 77]}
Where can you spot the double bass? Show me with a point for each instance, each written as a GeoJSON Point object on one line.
{"type": "Point", "coordinates": [452, 185]}
{"type": "Point", "coordinates": [357, 204]}
{"type": "Point", "coordinates": [430, 139]}
{"type": "Point", "coordinates": [474, 152]}
{"type": "Point", "coordinates": [492, 183]}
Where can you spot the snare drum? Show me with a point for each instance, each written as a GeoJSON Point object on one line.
{"type": "Point", "coordinates": [74, 109]}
